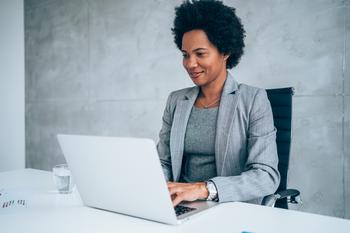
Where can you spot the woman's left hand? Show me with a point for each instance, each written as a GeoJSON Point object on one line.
{"type": "Point", "coordinates": [187, 191]}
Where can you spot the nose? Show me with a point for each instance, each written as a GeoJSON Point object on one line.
{"type": "Point", "coordinates": [190, 62]}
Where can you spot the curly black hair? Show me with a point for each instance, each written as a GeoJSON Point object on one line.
{"type": "Point", "coordinates": [220, 23]}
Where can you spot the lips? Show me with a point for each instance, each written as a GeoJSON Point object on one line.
{"type": "Point", "coordinates": [195, 74]}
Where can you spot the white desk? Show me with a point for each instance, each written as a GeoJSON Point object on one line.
{"type": "Point", "coordinates": [47, 211]}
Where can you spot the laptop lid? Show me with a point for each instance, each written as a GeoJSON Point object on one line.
{"type": "Point", "coordinates": [122, 175]}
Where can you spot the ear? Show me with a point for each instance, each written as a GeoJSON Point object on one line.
{"type": "Point", "coordinates": [226, 56]}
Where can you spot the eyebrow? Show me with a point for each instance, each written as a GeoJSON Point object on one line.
{"type": "Point", "coordinates": [195, 50]}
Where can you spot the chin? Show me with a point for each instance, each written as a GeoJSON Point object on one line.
{"type": "Point", "coordinates": [198, 83]}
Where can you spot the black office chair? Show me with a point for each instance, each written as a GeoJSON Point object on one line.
{"type": "Point", "coordinates": [281, 103]}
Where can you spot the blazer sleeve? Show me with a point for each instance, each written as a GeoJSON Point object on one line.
{"type": "Point", "coordinates": [260, 176]}
{"type": "Point", "coordinates": [163, 145]}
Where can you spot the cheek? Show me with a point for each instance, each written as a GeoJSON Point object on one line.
{"type": "Point", "coordinates": [216, 63]}
{"type": "Point", "coordinates": [205, 63]}
{"type": "Point", "coordinates": [184, 63]}
{"type": "Point", "coordinates": [209, 65]}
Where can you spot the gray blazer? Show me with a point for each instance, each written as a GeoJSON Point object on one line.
{"type": "Point", "coordinates": [245, 146]}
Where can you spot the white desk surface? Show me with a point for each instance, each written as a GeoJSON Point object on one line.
{"type": "Point", "coordinates": [48, 211]}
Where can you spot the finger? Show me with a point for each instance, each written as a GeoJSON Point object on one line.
{"type": "Point", "coordinates": [178, 185]}
{"type": "Point", "coordinates": [175, 190]}
{"type": "Point", "coordinates": [173, 197]}
{"type": "Point", "coordinates": [178, 199]}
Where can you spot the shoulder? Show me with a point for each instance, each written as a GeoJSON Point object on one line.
{"type": "Point", "coordinates": [253, 98]}
{"type": "Point", "coordinates": [180, 95]}
{"type": "Point", "coordinates": [181, 92]}
{"type": "Point", "coordinates": [251, 93]}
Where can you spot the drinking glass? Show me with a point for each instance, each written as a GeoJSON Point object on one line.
{"type": "Point", "coordinates": [62, 178]}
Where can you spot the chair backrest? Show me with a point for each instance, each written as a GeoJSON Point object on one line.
{"type": "Point", "coordinates": [281, 103]}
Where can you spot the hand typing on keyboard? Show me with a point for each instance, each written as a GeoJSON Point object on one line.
{"type": "Point", "coordinates": [187, 191]}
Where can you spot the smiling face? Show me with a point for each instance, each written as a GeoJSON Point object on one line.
{"type": "Point", "coordinates": [202, 60]}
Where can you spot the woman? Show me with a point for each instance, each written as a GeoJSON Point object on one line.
{"type": "Point", "coordinates": [218, 140]}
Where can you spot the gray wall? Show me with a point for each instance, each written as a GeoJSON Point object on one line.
{"type": "Point", "coordinates": [106, 68]}
{"type": "Point", "coordinates": [12, 143]}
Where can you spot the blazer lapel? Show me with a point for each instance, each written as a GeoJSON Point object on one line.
{"type": "Point", "coordinates": [227, 109]}
{"type": "Point", "coordinates": [178, 130]}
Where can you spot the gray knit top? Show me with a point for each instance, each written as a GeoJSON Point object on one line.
{"type": "Point", "coordinates": [198, 163]}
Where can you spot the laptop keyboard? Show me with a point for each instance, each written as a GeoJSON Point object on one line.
{"type": "Point", "coordinates": [179, 210]}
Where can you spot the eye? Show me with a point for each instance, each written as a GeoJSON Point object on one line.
{"type": "Point", "coordinates": [184, 55]}
{"type": "Point", "coordinates": [200, 54]}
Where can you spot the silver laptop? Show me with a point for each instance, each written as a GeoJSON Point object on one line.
{"type": "Point", "coordinates": [124, 175]}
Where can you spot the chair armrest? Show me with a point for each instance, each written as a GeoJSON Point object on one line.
{"type": "Point", "coordinates": [292, 195]}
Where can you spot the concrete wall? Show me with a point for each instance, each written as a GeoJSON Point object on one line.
{"type": "Point", "coordinates": [12, 144]}
{"type": "Point", "coordinates": [106, 68]}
